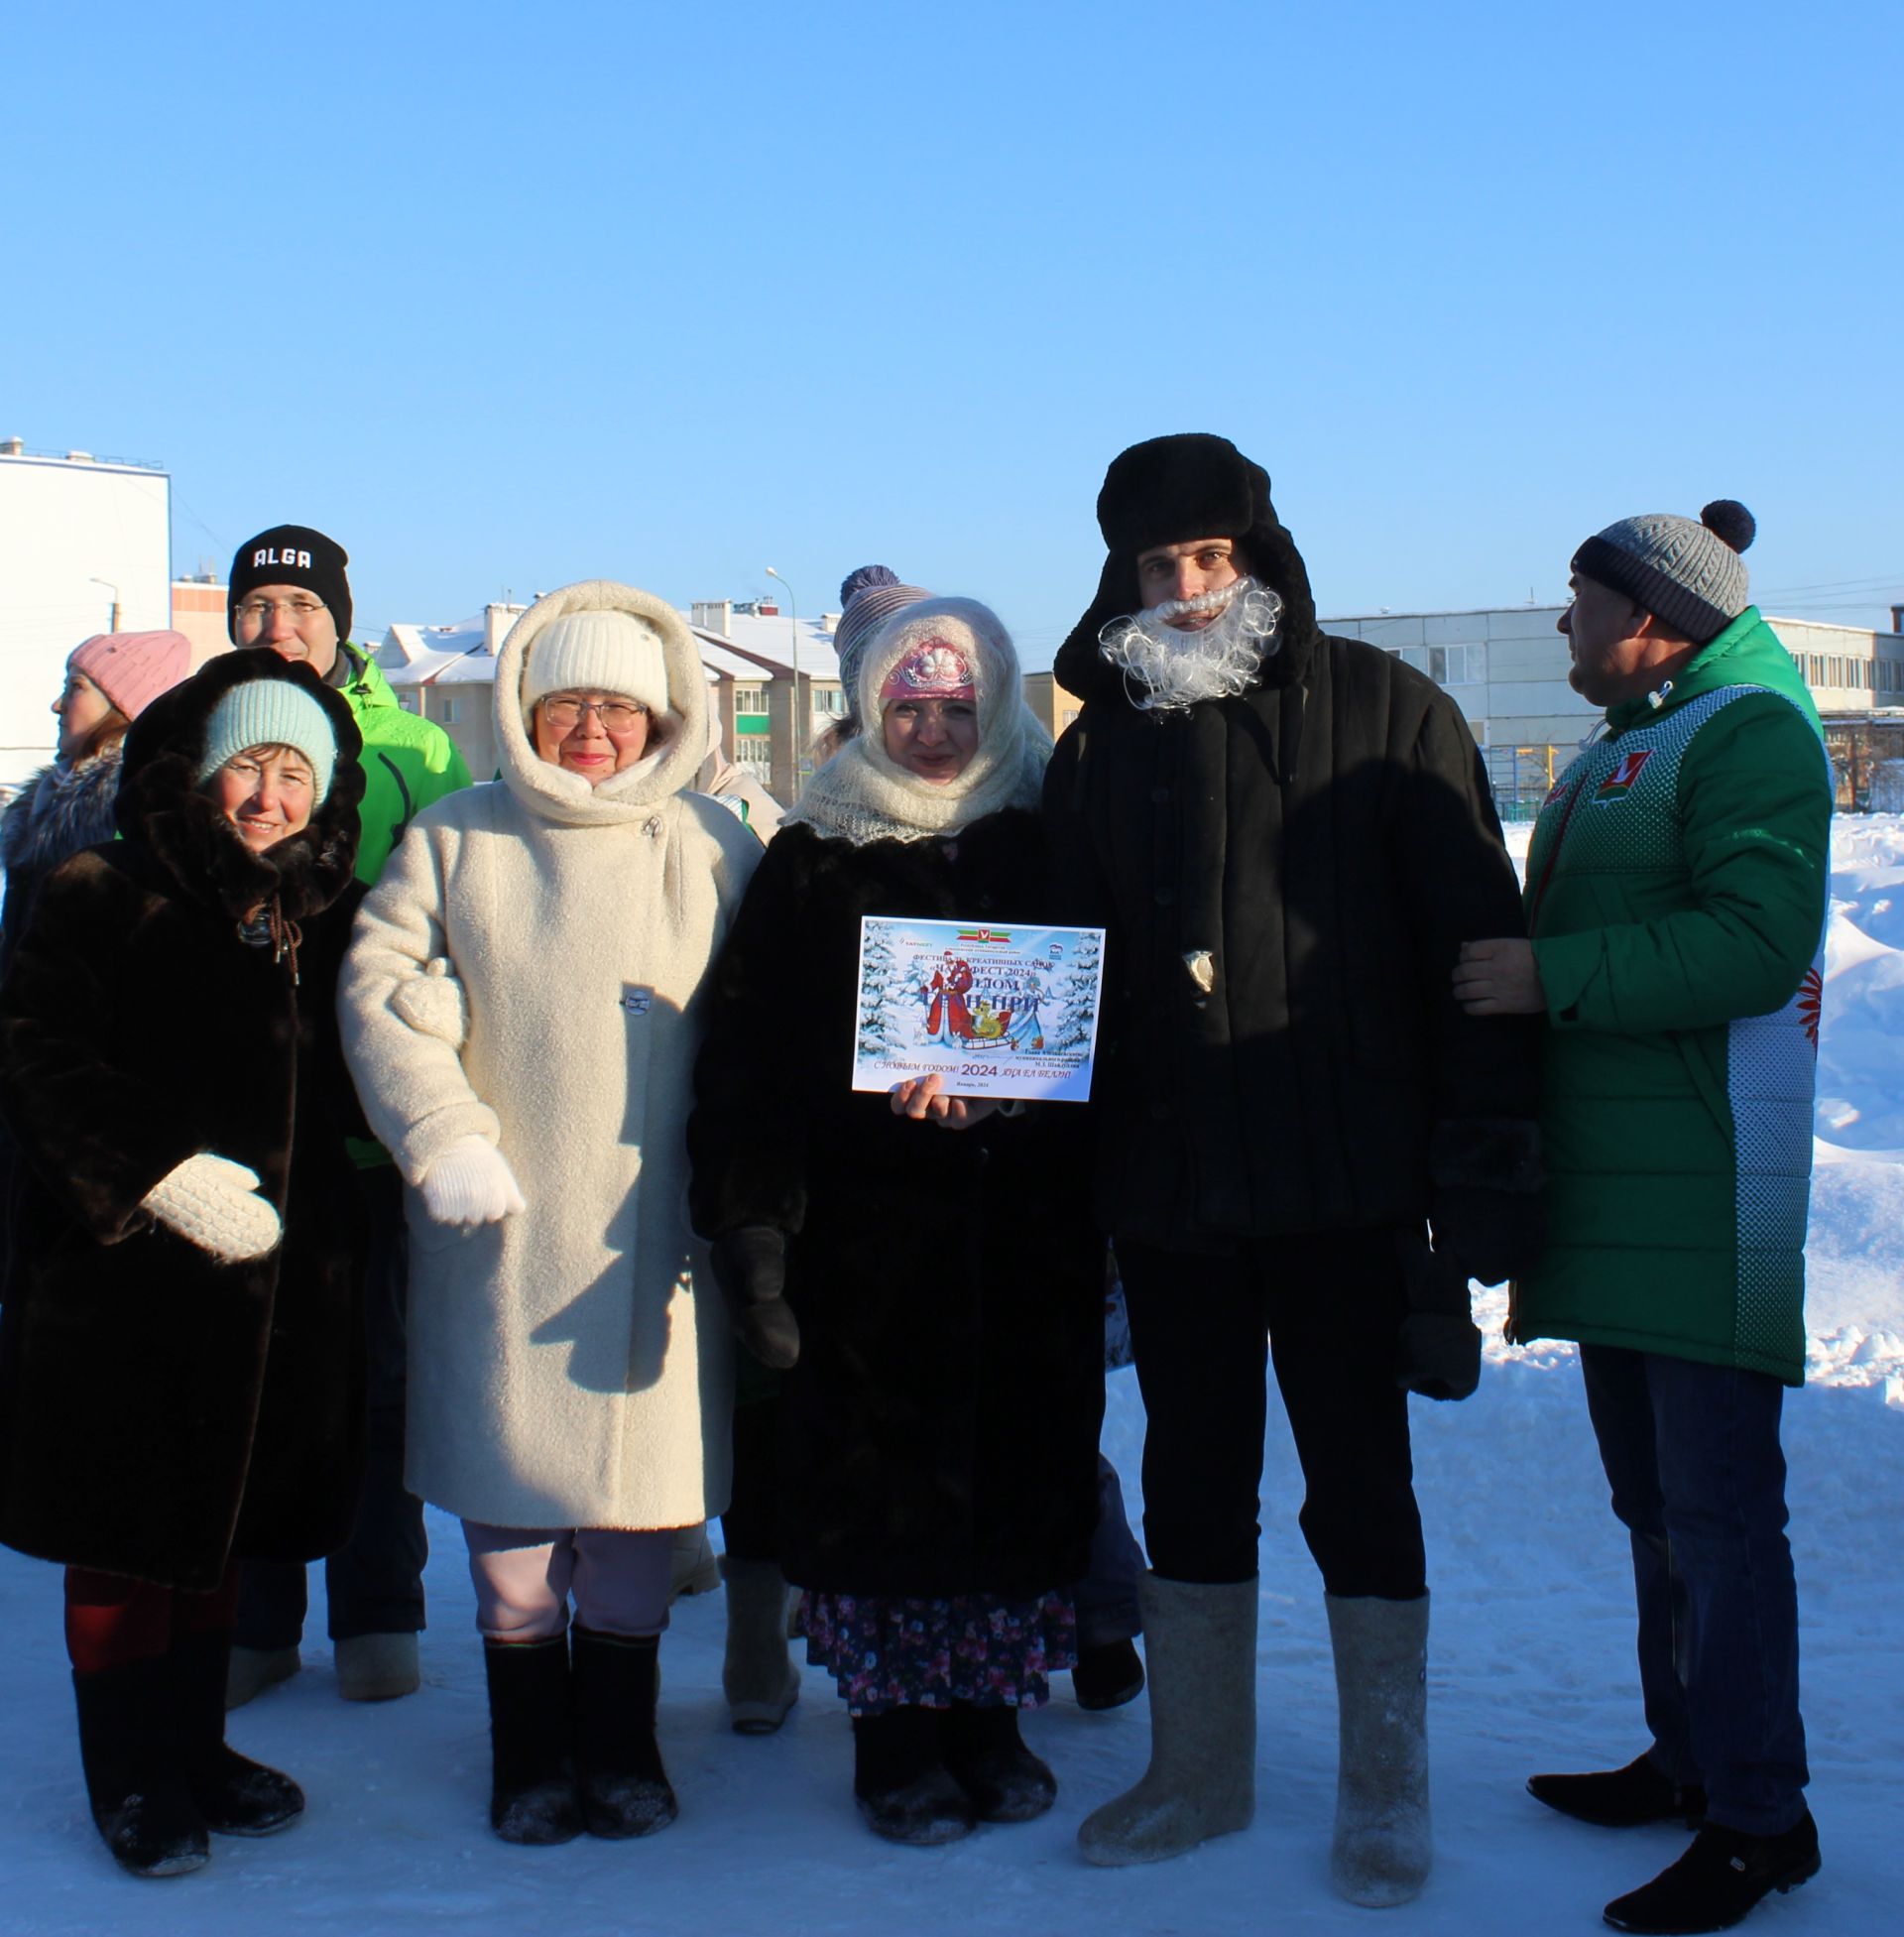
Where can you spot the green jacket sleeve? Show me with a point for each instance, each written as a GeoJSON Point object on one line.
{"type": "Point", "coordinates": [1754, 812]}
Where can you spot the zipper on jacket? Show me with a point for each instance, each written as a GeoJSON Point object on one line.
{"type": "Point", "coordinates": [395, 774]}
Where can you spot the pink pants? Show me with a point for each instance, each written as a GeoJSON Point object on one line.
{"type": "Point", "coordinates": [524, 1575]}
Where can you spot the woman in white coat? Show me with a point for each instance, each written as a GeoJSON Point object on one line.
{"type": "Point", "coordinates": [521, 1009]}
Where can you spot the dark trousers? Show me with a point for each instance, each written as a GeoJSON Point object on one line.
{"type": "Point", "coordinates": [1202, 1327]}
{"type": "Point", "coordinates": [1697, 1475]}
{"type": "Point", "coordinates": [374, 1583]}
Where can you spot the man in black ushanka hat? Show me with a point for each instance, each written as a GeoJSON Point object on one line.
{"type": "Point", "coordinates": [1305, 1147]}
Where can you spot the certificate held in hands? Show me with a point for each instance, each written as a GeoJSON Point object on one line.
{"type": "Point", "coordinates": [1005, 1012]}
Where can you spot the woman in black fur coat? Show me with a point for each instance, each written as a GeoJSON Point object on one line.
{"type": "Point", "coordinates": [180, 1371]}
{"type": "Point", "coordinates": [943, 1293]}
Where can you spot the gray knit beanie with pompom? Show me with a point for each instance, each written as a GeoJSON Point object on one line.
{"type": "Point", "coordinates": [1689, 575]}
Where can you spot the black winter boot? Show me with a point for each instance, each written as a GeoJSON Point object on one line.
{"type": "Point", "coordinates": [1622, 1798]}
{"type": "Point", "coordinates": [1718, 1880]}
{"type": "Point", "coordinates": [531, 1797]}
{"type": "Point", "coordinates": [625, 1790]}
{"type": "Point", "coordinates": [1001, 1778]}
{"type": "Point", "coordinates": [134, 1762]}
{"type": "Point", "coordinates": [235, 1795]}
{"type": "Point", "coordinates": [900, 1782]}
{"type": "Point", "coordinates": [1107, 1676]}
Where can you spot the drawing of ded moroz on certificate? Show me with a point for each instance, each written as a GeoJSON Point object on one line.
{"type": "Point", "coordinates": [1007, 1011]}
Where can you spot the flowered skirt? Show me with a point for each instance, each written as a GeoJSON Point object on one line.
{"type": "Point", "coordinates": [886, 1651]}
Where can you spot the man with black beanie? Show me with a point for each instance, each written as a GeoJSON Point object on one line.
{"type": "Point", "coordinates": [1305, 1147]}
{"type": "Point", "coordinates": [288, 593]}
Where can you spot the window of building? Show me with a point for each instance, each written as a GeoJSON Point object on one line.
{"type": "Point", "coordinates": [830, 700]}
{"type": "Point", "coordinates": [750, 699]}
{"type": "Point", "coordinates": [754, 752]}
{"type": "Point", "coordinates": [1448, 665]}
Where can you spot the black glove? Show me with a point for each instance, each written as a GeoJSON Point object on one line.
{"type": "Point", "coordinates": [749, 1267]}
{"type": "Point", "coordinates": [1488, 1204]}
{"type": "Point", "coordinates": [1438, 1350]}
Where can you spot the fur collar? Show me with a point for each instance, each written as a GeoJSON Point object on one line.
{"type": "Point", "coordinates": [61, 810]}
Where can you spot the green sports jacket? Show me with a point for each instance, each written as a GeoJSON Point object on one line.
{"type": "Point", "coordinates": [407, 762]}
{"type": "Point", "coordinates": [1676, 892]}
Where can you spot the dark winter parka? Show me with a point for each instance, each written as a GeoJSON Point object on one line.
{"type": "Point", "coordinates": [1329, 839]}
{"type": "Point", "coordinates": [939, 1433]}
{"type": "Point", "coordinates": [159, 1410]}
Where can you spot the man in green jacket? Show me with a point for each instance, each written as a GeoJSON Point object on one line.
{"type": "Point", "coordinates": [289, 592]}
{"type": "Point", "coordinates": [1676, 894]}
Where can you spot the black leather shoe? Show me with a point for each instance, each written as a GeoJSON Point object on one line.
{"type": "Point", "coordinates": [1718, 1880]}
{"type": "Point", "coordinates": [1107, 1676]}
{"type": "Point", "coordinates": [1622, 1798]}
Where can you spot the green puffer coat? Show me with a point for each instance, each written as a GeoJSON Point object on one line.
{"type": "Point", "coordinates": [1676, 899]}
{"type": "Point", "coordinates": [407, 762]}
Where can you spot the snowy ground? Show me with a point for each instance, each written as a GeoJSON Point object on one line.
{"type": "Point", "coordinates": [1531, 1670]}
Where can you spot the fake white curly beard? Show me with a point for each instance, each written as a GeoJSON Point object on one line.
{"type": "Point", "coordinates": [1176, 670]}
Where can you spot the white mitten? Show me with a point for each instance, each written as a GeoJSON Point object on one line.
{"type": "Point", "coordinates": [214, 1204]}
{"type": "Point", "coordinates": [433, 1003]}
{"type": "Point", "coordinates": [471, 1183]}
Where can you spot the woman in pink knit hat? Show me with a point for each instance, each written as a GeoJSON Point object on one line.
{"type": "Point", "coordinates": [110, 680]}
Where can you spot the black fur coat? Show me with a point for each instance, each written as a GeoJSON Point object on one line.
{"type": "Point", "coordinates": [1287, 878]}
{"type": "Point", "coordinates": [939, 1433]}
{"type": "Point", "coordinates": [159, 1410]}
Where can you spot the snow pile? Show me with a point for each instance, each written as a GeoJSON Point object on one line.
{"type": "Point", "coordinates": [1530, 1668]}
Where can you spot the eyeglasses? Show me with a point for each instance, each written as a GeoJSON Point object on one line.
{"type": "Point", "coordinates": [563, 711]}
{"type": "Point", "coordinates": [261, 610]}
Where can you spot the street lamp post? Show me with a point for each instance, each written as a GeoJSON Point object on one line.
{"type": "Point", "coordinates": [114, 591]}
{"type": "Point", "coordinates": [794, 615]}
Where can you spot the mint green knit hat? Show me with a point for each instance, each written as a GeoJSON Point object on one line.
{"type": "Point", "coordinates": [270, 713]}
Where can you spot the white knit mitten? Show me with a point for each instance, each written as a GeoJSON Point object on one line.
{"type": "Point", "coordinates": [214, 1204]}
{"type": "Point", "coordinates": [471, 1183]}
{"type": "Point", "coordinates": [433, 1003]}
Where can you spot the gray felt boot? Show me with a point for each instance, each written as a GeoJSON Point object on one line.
{"type": "Point", "coordinates": [758, 1675]}
{"type": "Point", "coordinates": [1200, 1649]}
{"type": "Point", "coordinates": [1384, 1845]}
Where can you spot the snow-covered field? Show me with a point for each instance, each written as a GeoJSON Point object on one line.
{"type": "Point", "coordinates": [1531, 1668]}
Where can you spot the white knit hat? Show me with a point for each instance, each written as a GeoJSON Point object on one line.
{"type": "Point", "coordinates": [597, 652]}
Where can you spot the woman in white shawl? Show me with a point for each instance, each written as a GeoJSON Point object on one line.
{"type": "Point", "coordinates": [522, 1010]}
{"type": "Point", "coordinates": [938, 1298]}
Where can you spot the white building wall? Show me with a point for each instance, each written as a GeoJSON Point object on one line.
{"type": "Point", "coordinates": [1506, 668]}
{"type": "Point", "coordinates": [64, 522]}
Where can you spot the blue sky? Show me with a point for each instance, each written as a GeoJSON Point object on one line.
{"type": "Point", "coordinates": [508, 295]}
